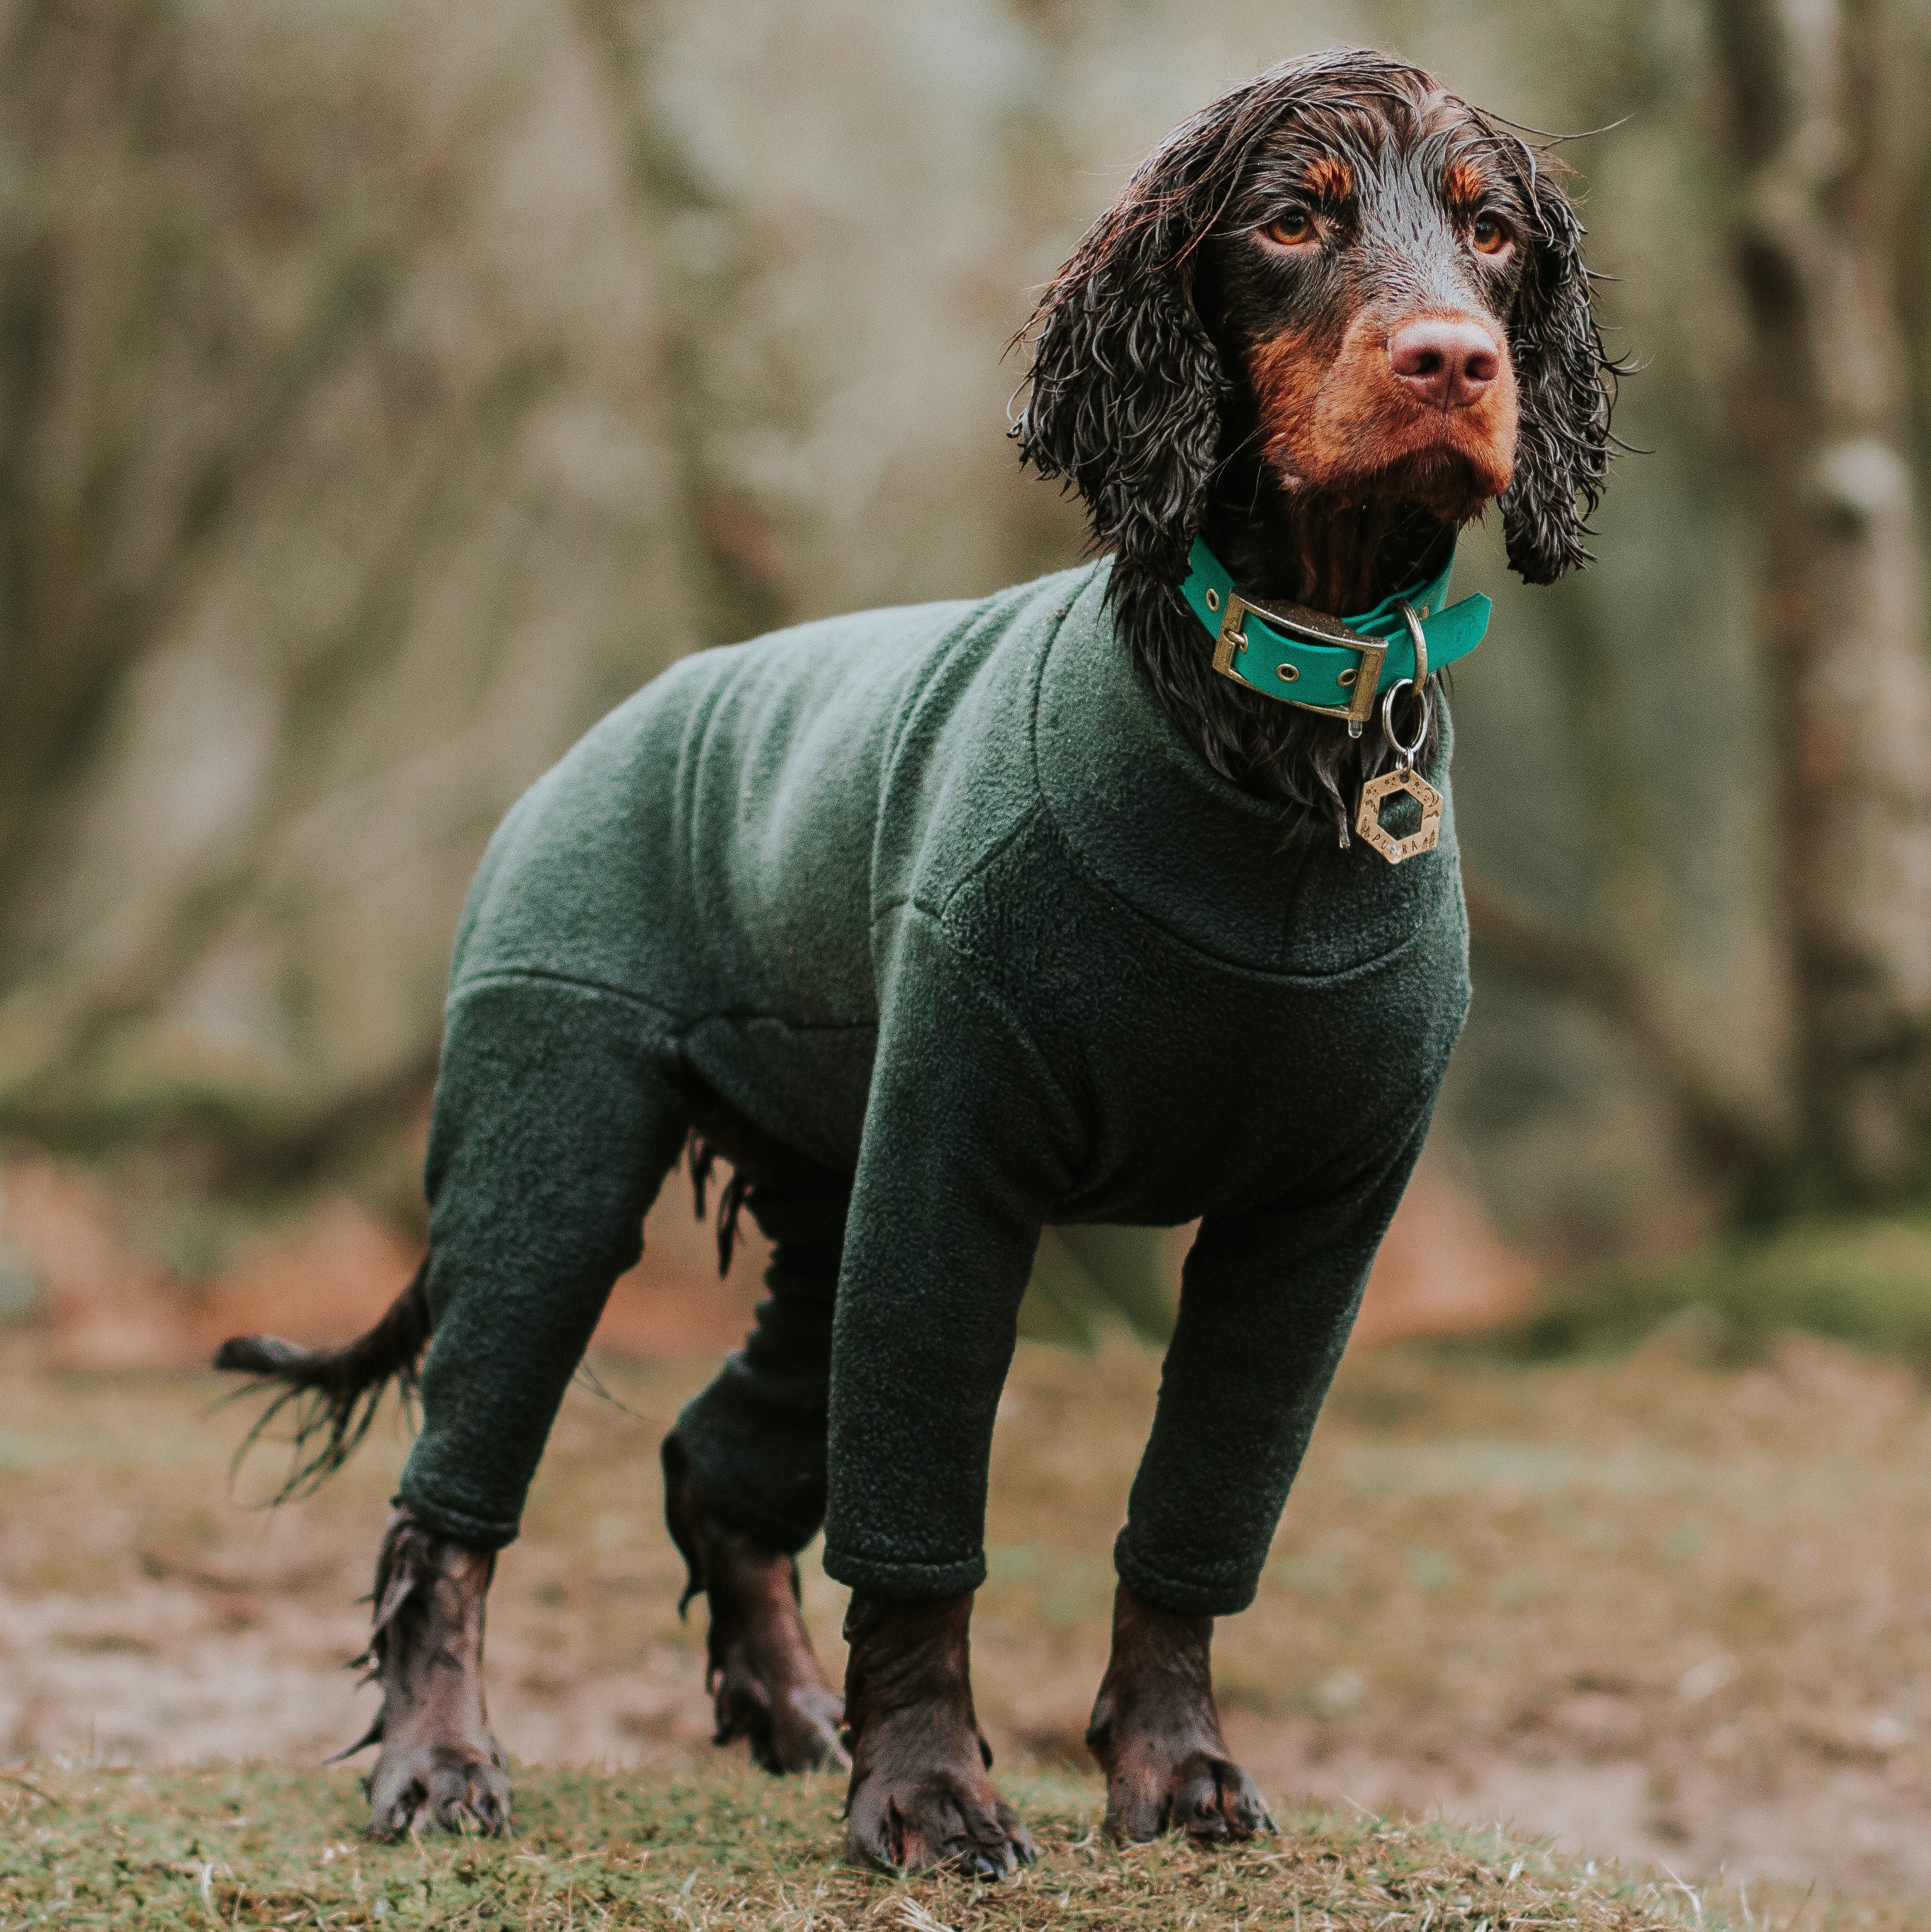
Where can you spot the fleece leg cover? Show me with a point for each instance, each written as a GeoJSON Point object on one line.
{"type": "Point", "coordinates": [756, 1436]}
{"type": "Point", "coordinates": [555, 1125]}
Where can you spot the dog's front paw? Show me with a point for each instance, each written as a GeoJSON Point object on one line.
{"type": "Point", "coordinates": [1157, 1734]}
{"type": "Point", "coordinates": [1206, 1795]}
{"type": "Point", "coordinates": [940, 1819]}
{"type": "Point", "coordinates": [920, 1800]}
{"type": "Point", "coordinates": [437, 1788]}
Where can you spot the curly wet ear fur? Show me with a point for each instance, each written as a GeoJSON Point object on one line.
{"type": "Point", "coordinates": [1125, 396]}
{"type": "Point", "coordinates": [1126, 391]}
{"type": "Point", "coordinates": [1567, 382]}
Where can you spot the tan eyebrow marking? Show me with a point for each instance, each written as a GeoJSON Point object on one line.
{"type": "Point", "coordinates": [1329, 179]}
{"type": "Point", "coordinates": [1464, 185]}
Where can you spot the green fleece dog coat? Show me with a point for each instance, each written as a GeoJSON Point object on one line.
{"type": "Point", "coordinates": [939, 898]}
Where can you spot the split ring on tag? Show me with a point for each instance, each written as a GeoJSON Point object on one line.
{"type": "Point", "coordinates": [1404, 778]}
{"type": "Point", "coordinates": [1405, 755]}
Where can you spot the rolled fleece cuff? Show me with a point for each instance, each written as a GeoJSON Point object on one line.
{"type": "Point", "coordinates": [1224, 1595]}
{"type": "Point", "coordinates": [876, 1577]}
{"type": "Point", "coordinates": [478, 1532]}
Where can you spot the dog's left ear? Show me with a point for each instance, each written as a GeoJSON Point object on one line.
{"type": "Point", "coordinates": [1124, 397]}
{"type": "Point", "coordinates": [1567, 386]}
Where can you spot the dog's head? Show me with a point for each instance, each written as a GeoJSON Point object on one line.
{"type": "Point", "coordinates": [1340, 263]}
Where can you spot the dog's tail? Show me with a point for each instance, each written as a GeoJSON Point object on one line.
{"type": "Point", "coordinates": [335, 1392]}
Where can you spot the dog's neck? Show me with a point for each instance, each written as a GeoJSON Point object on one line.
{"type": "Point", "coordinates": [1341, 555]}
{"type": "Point", "coordinates": [1334, 555]}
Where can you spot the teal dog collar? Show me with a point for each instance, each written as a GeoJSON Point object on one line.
{"type": "Point", "coordinates": [1325, 664]}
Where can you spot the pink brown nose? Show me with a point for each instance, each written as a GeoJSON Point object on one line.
{"type": "Point", "coordinates": [1448, 364]}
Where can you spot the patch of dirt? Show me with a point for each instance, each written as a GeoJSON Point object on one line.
{"type": "Point", "coordinates": [1846, 1829]}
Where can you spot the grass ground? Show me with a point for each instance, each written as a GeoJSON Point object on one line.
{"type": "Point", "coordinates": [730, 1849]}
{"type": "Point", "coordinates": [1665, 1608]}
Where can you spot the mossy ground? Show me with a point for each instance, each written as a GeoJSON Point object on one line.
{"type": "Point", "coordinates": [84, 1849]}
{"type": "Point", "coordinates": [1865, 1280]}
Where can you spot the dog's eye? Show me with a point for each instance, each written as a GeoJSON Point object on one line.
{"type": "Point", "coordinates": [1490, 236]}
{"type": "Point", "coordinates": [1293, 228]}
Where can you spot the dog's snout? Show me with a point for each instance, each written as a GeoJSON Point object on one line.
{"type": "Point", "coordinates": [1447, 363]}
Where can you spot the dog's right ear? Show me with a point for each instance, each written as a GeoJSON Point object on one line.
{"type": "Point", "coordinates": [1124, 397]}
{"type": "Point", "coordinates": [1568, 386]}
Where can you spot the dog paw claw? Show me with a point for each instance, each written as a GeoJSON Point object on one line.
{"type": "Point", "coordinates": [765, 1682]}
{"type": "Point", "coordinates": [441, 1769]}
{"type": "Point", "coordinates": [937, 1823]}
{"type": "Point", "coordinates": [1208, 1797]}
{"type": "Point", "coordinates": [437, 1789]}
{"type": "Point", "coordinates": [1211, 1799]}
{"type": "Point", "coordinates": [1157, 1735]}
{"type": "Point", "coordinates": [919, 1799]}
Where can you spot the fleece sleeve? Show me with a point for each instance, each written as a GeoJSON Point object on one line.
{"type": "Point", "coordinates": [1267, 1301]}
{"type": "Point", "coordinates": [968, 1142]}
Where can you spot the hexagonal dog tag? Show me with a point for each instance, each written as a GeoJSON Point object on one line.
{"type": "Point", "coordinates": [1377, 792]}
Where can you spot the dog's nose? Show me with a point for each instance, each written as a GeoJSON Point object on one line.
{"type": "Point", "coordinates": [1447, 363]}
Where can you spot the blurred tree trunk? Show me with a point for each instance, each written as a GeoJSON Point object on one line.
{"type": "Point", "coordinates": [1822, 246]}
{"type": "Point", "coordinates": [1824, 404]}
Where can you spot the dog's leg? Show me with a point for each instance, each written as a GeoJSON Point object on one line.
{"type": "Point", "coordinates": [919, 1795]}
{"type": "Point", "coordinates": [744, 1470]}
{"type": "Point", "coordinates": [1156, 1733]}
{"type": "Point", "coordinates": [440, 1765]}
{"type": "Point", "coordinates": [764, 1679]}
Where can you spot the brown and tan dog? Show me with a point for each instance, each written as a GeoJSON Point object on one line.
{"type": "Point", "coordinates": [1329, 319]}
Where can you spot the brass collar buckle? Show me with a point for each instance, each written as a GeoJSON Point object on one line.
{"type": "Point", "coordinates": [1306, 627]}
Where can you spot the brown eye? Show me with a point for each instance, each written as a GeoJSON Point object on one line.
{"type": "Point", "coordinates": [1488, 235]}
{"type": "Point", "coordinates": [1293, 228]}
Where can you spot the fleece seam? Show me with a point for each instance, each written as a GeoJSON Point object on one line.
{"type": "Point", "coordinates": [681, 1023]}
{"type": "Point", "coordinates": [928, 692]}
{"type": "Point", "coordinates": [498, 976]}
{"type": "Point", "coordinates": [732, 1015]}
{"type": "Point", "coordinates": [984, 863]}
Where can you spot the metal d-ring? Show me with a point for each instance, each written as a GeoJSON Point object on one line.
{"type": "Point", "coordinates": [1420, 638]}
{"type": "Point", "coordinates": [1417, 684]}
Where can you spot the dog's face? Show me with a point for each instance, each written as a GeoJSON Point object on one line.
{"type": "Point", "coordinates": [1363, 278]}
{"type": "Point", "coordinates": [1380, 282]}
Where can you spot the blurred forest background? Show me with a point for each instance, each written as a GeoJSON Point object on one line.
{"type": "Point", "coordinates": [387, 387]}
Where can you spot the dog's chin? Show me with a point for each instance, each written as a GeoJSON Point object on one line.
{"type": "Point", "coordinates": [1454, 485]}
{"type": "Point", "coordinates": [1451, 473]}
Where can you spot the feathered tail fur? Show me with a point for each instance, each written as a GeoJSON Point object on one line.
{"type": "Point", "coordinates": [335, 1392]}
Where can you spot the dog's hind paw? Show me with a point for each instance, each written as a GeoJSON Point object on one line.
{"type": "Point", "coordinates": [437, 1789]}
{"type": "Point", "coordinates": [797, 1730]}
{"type": "Point", "coordinates": [766, 1684]}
